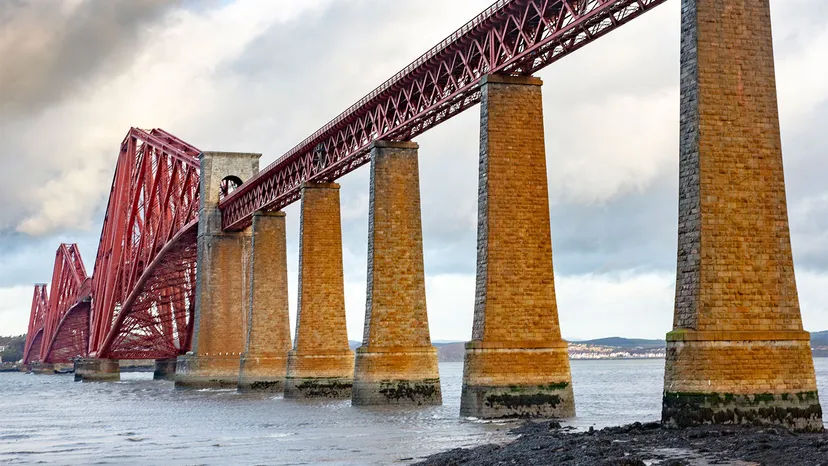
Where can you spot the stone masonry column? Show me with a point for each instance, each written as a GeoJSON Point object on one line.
{"type": "Point", "coordinates": [221, 283]}
{"type": "Point", "coordinates": [516, 363]}
{"type": "Point", "coordinates": [321, 363]}
{"type": "Point", "coordinates": [738, 353]}
{"type": "Point", "coordinates": [396, 363]}
{"type": "Point", "coordinates": [264, 363]}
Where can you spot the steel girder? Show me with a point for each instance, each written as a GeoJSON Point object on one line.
{"type": "Point", "coordinates": [144, 279]}
{"type": "Point", "coordinates": [515, 37]}
{"type": "Point", "coordinates": [70, 285]}
{"type": "Point", "coordinates": [37, 318]}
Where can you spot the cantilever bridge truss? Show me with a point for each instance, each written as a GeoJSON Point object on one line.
{"type": "Point", "coordinates": [140, 302]}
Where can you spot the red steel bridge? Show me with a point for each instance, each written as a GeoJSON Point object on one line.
{"type": "Point", "coordinates": [140, 300]}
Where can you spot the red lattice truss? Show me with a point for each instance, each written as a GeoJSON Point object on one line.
{"type": "Point", "coordinates": [37, 318]}
{"type": "Point", "coordinates": [66, 323]}
{"type": "Point", "coordinates": [144, 280]}
{"type": "Point", "coordinates": [515, 37]}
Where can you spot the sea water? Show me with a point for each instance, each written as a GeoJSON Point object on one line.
{"type": "Point", "coordinates": [50, 419]}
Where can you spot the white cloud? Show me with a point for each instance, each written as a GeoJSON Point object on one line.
{"type": "Point", "coordinates": [813, 299]}
{"type": "Point", "coordinates": [14, 316]}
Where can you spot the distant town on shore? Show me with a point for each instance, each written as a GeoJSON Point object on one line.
{"type": "Point", "coordinates": [608, 348]}
{"type": "Point", "coordinates": [611, 348]}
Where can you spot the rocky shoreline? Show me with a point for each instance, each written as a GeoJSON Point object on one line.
{"type": "Point", "coordinates": [547, 443]}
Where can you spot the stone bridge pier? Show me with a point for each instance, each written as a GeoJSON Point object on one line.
{"type": "Point", "coordinates": [738, 353]}
{"type": "Point", "coordinates": [321, 363]}
{"type": "Point", "coordinates": [267, 338]}
{"type": "Point", "coordinates": [222, 286]}
{"type": "Point", "coordinates": [516, 364]}
{"type": "Point", "coordinates": [396, 363]}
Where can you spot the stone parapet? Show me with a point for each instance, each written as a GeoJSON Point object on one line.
{"type": "Point", "coordinates": [517, 364]}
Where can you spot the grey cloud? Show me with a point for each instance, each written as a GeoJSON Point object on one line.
{"type": "Point", "coordinates": [49, 51]}
{"type": "Point", "coordinates": [25, 260]}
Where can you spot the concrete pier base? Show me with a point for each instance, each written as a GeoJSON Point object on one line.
{"type": "Point", "coordinates": [396, 376]}
{"type": "Point", "coordinates": [207, 371]}
{"type": "Point", "coordinates": [266, 374]}
{"type": "Point", "coordinates": [766, 380]}
{"type": "Point", "coordinates": [540, 388]}
{"type": "Point", "coordinates": [328, 375]}
{"type": "Point", "coordinates": [97, 370]}
{"type": "Point", "coordinates": [42, 368]}
{"type": "Point", "coordinates": [164, 369]}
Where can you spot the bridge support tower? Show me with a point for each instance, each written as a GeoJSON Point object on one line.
{"type": "Point", "coordinates": [516, 363]}
{"type": "Point", "coordinates": [738, 353]}
{"type": "Point", "coordinates": [267, 341]}
{"type": "Point", "coordinates": [320, 363]}
{"type": "Point", "coordinates": [396, 363]}
{"type": "Point", "coordinates": [97, 370]}
{"type": "Point", "coordinates": [222, 281]}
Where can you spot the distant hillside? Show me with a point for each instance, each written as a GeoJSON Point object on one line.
{"type": "Point", "coordinates": [819, 338]}
{"type": "Point", "coordinates": [620, 342]}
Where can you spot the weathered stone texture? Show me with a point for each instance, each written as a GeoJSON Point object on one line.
{"type": "Point", "coordinates": [735, 265]}
{"type": "Point", "coordinates": [321, 363]}
{"type": "Point", "coordinates": [97, 370]}
{"type": "Point", "coordinates": [264, 363]}
{"type": "Point", "coordinates": [222, 280]}
{"type": "Point", "coordinates": [516, 364]}
{"type": "Point", "coordinates": [396, 363]}
{"type": "Point", "coordinates": [737, 318]}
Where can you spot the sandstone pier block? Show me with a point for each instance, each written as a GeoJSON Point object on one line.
{"type": "Point", "coordinates": [396, 363]}
{"type": "Point", "coordinates": [516, 363]}
{"type": "Point", "coordinates": [320, 363]}
{"type": "Point", "coordinates": [264, 363]}
{"type": "Point", "coordinates": [222, 281]}
{"type": "Point", "coordinates": [97, 370]}
{"type": "Point", "coordinates": [738, 353]}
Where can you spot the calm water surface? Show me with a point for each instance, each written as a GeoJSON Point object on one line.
{"type": "Point", "coordinates": [53, 420]}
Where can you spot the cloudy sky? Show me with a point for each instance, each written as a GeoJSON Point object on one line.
{"type": "Point", "coordinates": [260, 75]}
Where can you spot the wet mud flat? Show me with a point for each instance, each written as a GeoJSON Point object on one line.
{"type": "Point", "coordinates": [547, 443]}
